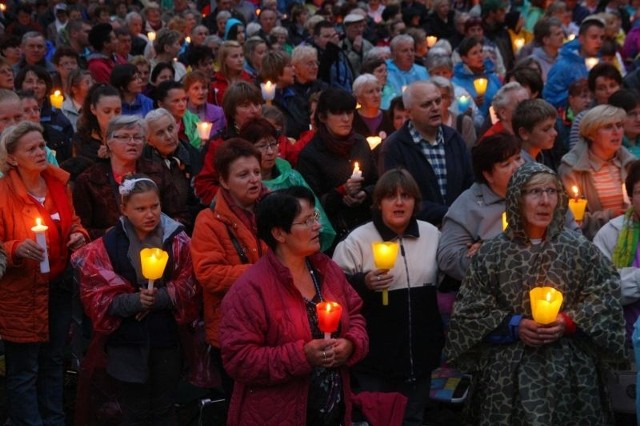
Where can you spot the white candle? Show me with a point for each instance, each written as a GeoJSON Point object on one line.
{"type": "Point", "coordinates": [590, 63]}
{"type": "Point", "coordinates": [268, 91]}
{"type": "Point", "coordinates": [431, 41]}
{"type": "Point", "coordinates": [357, 173]}
{"type": "Point", "coordinates": [204, 130]}
{"type": "Point", "coordinates": [151, 35]}
{"type": "Point", "coordinates": [41, 239]}
{"type": "Point", "coordinates": [187, 39]}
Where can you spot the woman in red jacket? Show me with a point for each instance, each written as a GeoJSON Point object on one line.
{"type": "Point", "coordinates": [231, 70]}
{"type": "Point", "coordinates": [285, 371]}
{"type": "Point", "coordinates": [35, 305]}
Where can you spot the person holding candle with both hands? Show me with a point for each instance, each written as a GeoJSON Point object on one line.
{"type": "Point", "coordinates": [522, 369]}
{"type": "Point", "coordinates": [285, 370]}
{"type": "Point", "coordinates": [136, 324]}
{"type": "Point", "coordinates": [406, 336]}
{"type": "Point", "coordinates": [36, 306]}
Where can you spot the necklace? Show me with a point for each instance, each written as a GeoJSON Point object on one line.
{"type": "Point", "coordinates": [316, 284]}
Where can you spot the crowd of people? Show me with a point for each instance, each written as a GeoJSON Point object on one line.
{"type": "Point", "coordinates": [265, 147]}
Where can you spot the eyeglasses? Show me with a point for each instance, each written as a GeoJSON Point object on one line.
{"type": "Point", "coordinates": [273, 146]}
{"type": "Point", "coordinates": [536, 193]}
{"type": "Point", "coordinates": [311, 220]}
{"type": "Point", "coordinates": [127, 138]}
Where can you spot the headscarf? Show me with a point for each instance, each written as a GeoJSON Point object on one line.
{"type": "Point", "coordinates": [231, 22]}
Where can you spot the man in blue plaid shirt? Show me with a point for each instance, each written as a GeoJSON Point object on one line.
{"type": "Point", "coordinates": [435, 154]}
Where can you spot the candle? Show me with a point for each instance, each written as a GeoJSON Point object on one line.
{"type": "Point", "coordinates": [464, 102]}
{"type": "Point", "coordinates": [56, 99]}
{"type": "Point", "coordinates": [480, 84]}
{"type": "Point", "coordinates": [504, 221]}
{"type": "Point", "coordinates": [153, 262]}
{"type": "Point", "coordinates": [204, 129]}
{"type": "Point", "coordinates": [374, 141]}
{"type": "Point", "coordinates": [590, 63]}
{"type": "Point", "coordinates": [384, 257]}
{"type": "Point", "coordinates": [187, 39]}
{"type": "Point", "coordinates": [545, 304]}
{"type": "Point", "coordinates": [404, 88]}
{"type": "Point", "coordinates": [518, 44]}
{"type": "Point", "coordinates": [577, 205]}
{"type": "Point", "coordinates": [3, 7]}
{"type": "Point", "coordinates": [268, 91]}
{"type": "Point", "coordinates": [151, 35]}
{"type": "Point", "coordinates": [41, 239]}
{"type": "Point", "coordinates": [357, 173]}
{"type": "Point", "coordinates": [358, 106]}
{"type": "Point", "coordinates": [328, 317]}
{"type": "Point", "coordinates": [571, 37]}
{"type": "Point", "coordinates": [431, 41]}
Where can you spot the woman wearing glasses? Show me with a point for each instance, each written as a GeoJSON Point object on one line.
{"type": "Point", "coordinates": [597, 166]}
{"type": "Point", "coordinates": [277, 172]}
{"type": "Point", "coordinates": [525, 372]}
{"type": "Point", "coordinates": [95, 194]}
{"type": "Point", "coordinates": [406, 335]}
{"type": "Point", "coordinates": [286, 372]}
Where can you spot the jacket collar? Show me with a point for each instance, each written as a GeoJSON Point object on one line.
{"type": "Point", "coordinates": [387, 234]}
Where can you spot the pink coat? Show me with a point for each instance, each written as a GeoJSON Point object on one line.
{"type": "Point", "coordinates": [263, 332]}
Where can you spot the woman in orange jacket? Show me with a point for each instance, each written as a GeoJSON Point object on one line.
{"type": "Point", "coordinates": [35, 300]}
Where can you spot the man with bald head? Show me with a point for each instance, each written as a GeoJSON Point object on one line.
{"type": "Point", "coordinates": [434, 154]}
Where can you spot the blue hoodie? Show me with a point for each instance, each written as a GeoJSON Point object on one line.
{"type": "Point", "coordinates": [569, 68]}
{"type": "Point", "coordinates": [231, 22]}
{"type": "Point", "coordinates": [464, 77]}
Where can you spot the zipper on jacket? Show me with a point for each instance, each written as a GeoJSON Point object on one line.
{"type": "Point", "coordinates": [412, 378]}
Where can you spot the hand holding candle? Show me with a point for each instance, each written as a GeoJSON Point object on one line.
{"type": "Point", "coordinates": [385, 254]}
{"type": "Point", "coordinates": [545, 304]}
{"type": "Point", "coordinates": [41, 239]}
{"type": "Point", "coordinates": [328, 317]}
{"type": "Point", "coordinates": [577, 205]}
{"type": "Point", "coordinates": [153, 260]}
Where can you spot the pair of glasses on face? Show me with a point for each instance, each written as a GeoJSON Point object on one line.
{"type": "Point", "coordinates": [536, 193]}
{"type": "Point", "coordinates": [127, 138]}
{"type": "Point", "coordinates": [265, 147]}
{"type": "Point", "coordinates": [311, 220]}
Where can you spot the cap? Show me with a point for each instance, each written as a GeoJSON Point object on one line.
{"type": "Point", "coordinates": [353, 18]}
{"type": "Point", "coordinates": [60, 7]}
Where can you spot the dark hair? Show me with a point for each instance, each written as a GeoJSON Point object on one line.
{"type": "Point", "coordinates": [232, 149]}
{"type": "Point", "coordinates": [98, 35]}
{"type": "Point", "coordinates": [257, 129]}
{"type": "Point", "coordinates": [396, 103]}
{"type": "Point", "coordinates": [139, 187]}
{"type": "Point", "coordinates": [393, 180]}
{"type": "Point", "coordinates": [530, 112]}
{"type": "Point", "coordinates": [320, 25]}
{"type": "Point", "coordinates": [161, 66]}
{"type": "Point", "coordinates": [9, 41]}
{"type": "Point", "coordinates": [122, 75]}
{"type": "Point", "coordinates": [335, 101]}
{"type": "Point", "coordinates": [26, 94]}
{"type": "Point", "coordinates": [197, 54]}
{"type": "Point", "coordinates": [163, 89]}
{"type": "Point", "coordinates": [492, 150]}
{"type": "Point", "coordinates": [279, 209]}
{"type": "Point", "coordinates": [237, 94]}
{"type": "Point", "coordinates": [527, 77]}
{"type": "Point", "coordinates": [40, 72]}
{"type": "Point", "coordinates": [633, 177]}
{"type": "Point", "coordinates": [609, 47]}
{"type": "Point", "coordinates": [87, 121]}
{"type": "Point", "coordinates": [605, 70]}
{"type": "Point", "coordinates": [627, 99]}
{"type": "Point", "coordinates": [122, 31]}
{"type": "Point", "coordinates": [467, 44]}
{"type": "Point", "coordinates": [370, 64]}
{"type": "Point", "coordinates": [578, 87]}
{"type": "Point", "coordinates": [542, 28]}
{"type": "Point", "coordinates": [233, 31]}
{"type": "Point", "coordinates": [63, 51]}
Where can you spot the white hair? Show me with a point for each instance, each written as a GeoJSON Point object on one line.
{"type": "Point", "coordinates": [363, 81]}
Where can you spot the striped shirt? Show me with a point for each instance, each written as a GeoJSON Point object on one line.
{"type": "Point", "coordinates": [435, 154]}
{"type": "Point", "coordinates": [607, 179]}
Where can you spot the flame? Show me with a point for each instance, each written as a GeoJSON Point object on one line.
{"type": "Point", "coordinates": [574, 189]}
{"type": "Point", "coordinates": [549, 296]}
{"type": "Point", "coordinates": [39, 222]}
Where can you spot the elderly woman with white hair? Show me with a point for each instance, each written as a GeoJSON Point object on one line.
{"type": "Point", "coordinates": [504, 104]}
{"type": "Point", "coordinates": [95, 194]}
{"type": "Point", "coordinates": [461, 122]}
{"type": "Point", "coordinates": [178, 157]}
{"type": "Point", "coordinates": [597, 166]}
{"type": "Point", "coordinates": [369, 119]}
{"type": "Point", "coordinates": [304, 59]}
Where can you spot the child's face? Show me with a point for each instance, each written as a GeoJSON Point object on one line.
{"type": "Point", "coordinates": [543, 134]}
{"type": "Point", "coordinates": [580, 102]}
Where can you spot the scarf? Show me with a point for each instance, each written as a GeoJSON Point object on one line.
{"type": "Point", "coordinates": [153, 240]}
{"type": "Point", "coordinates": [627, 243]}
{"type": "Point", "coordinates": [339, 146]}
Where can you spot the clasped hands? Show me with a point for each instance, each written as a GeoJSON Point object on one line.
{"type": "Point", "coordinates": [535, 334]}
{"type": "Point", "coordinates": [328, 353]}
